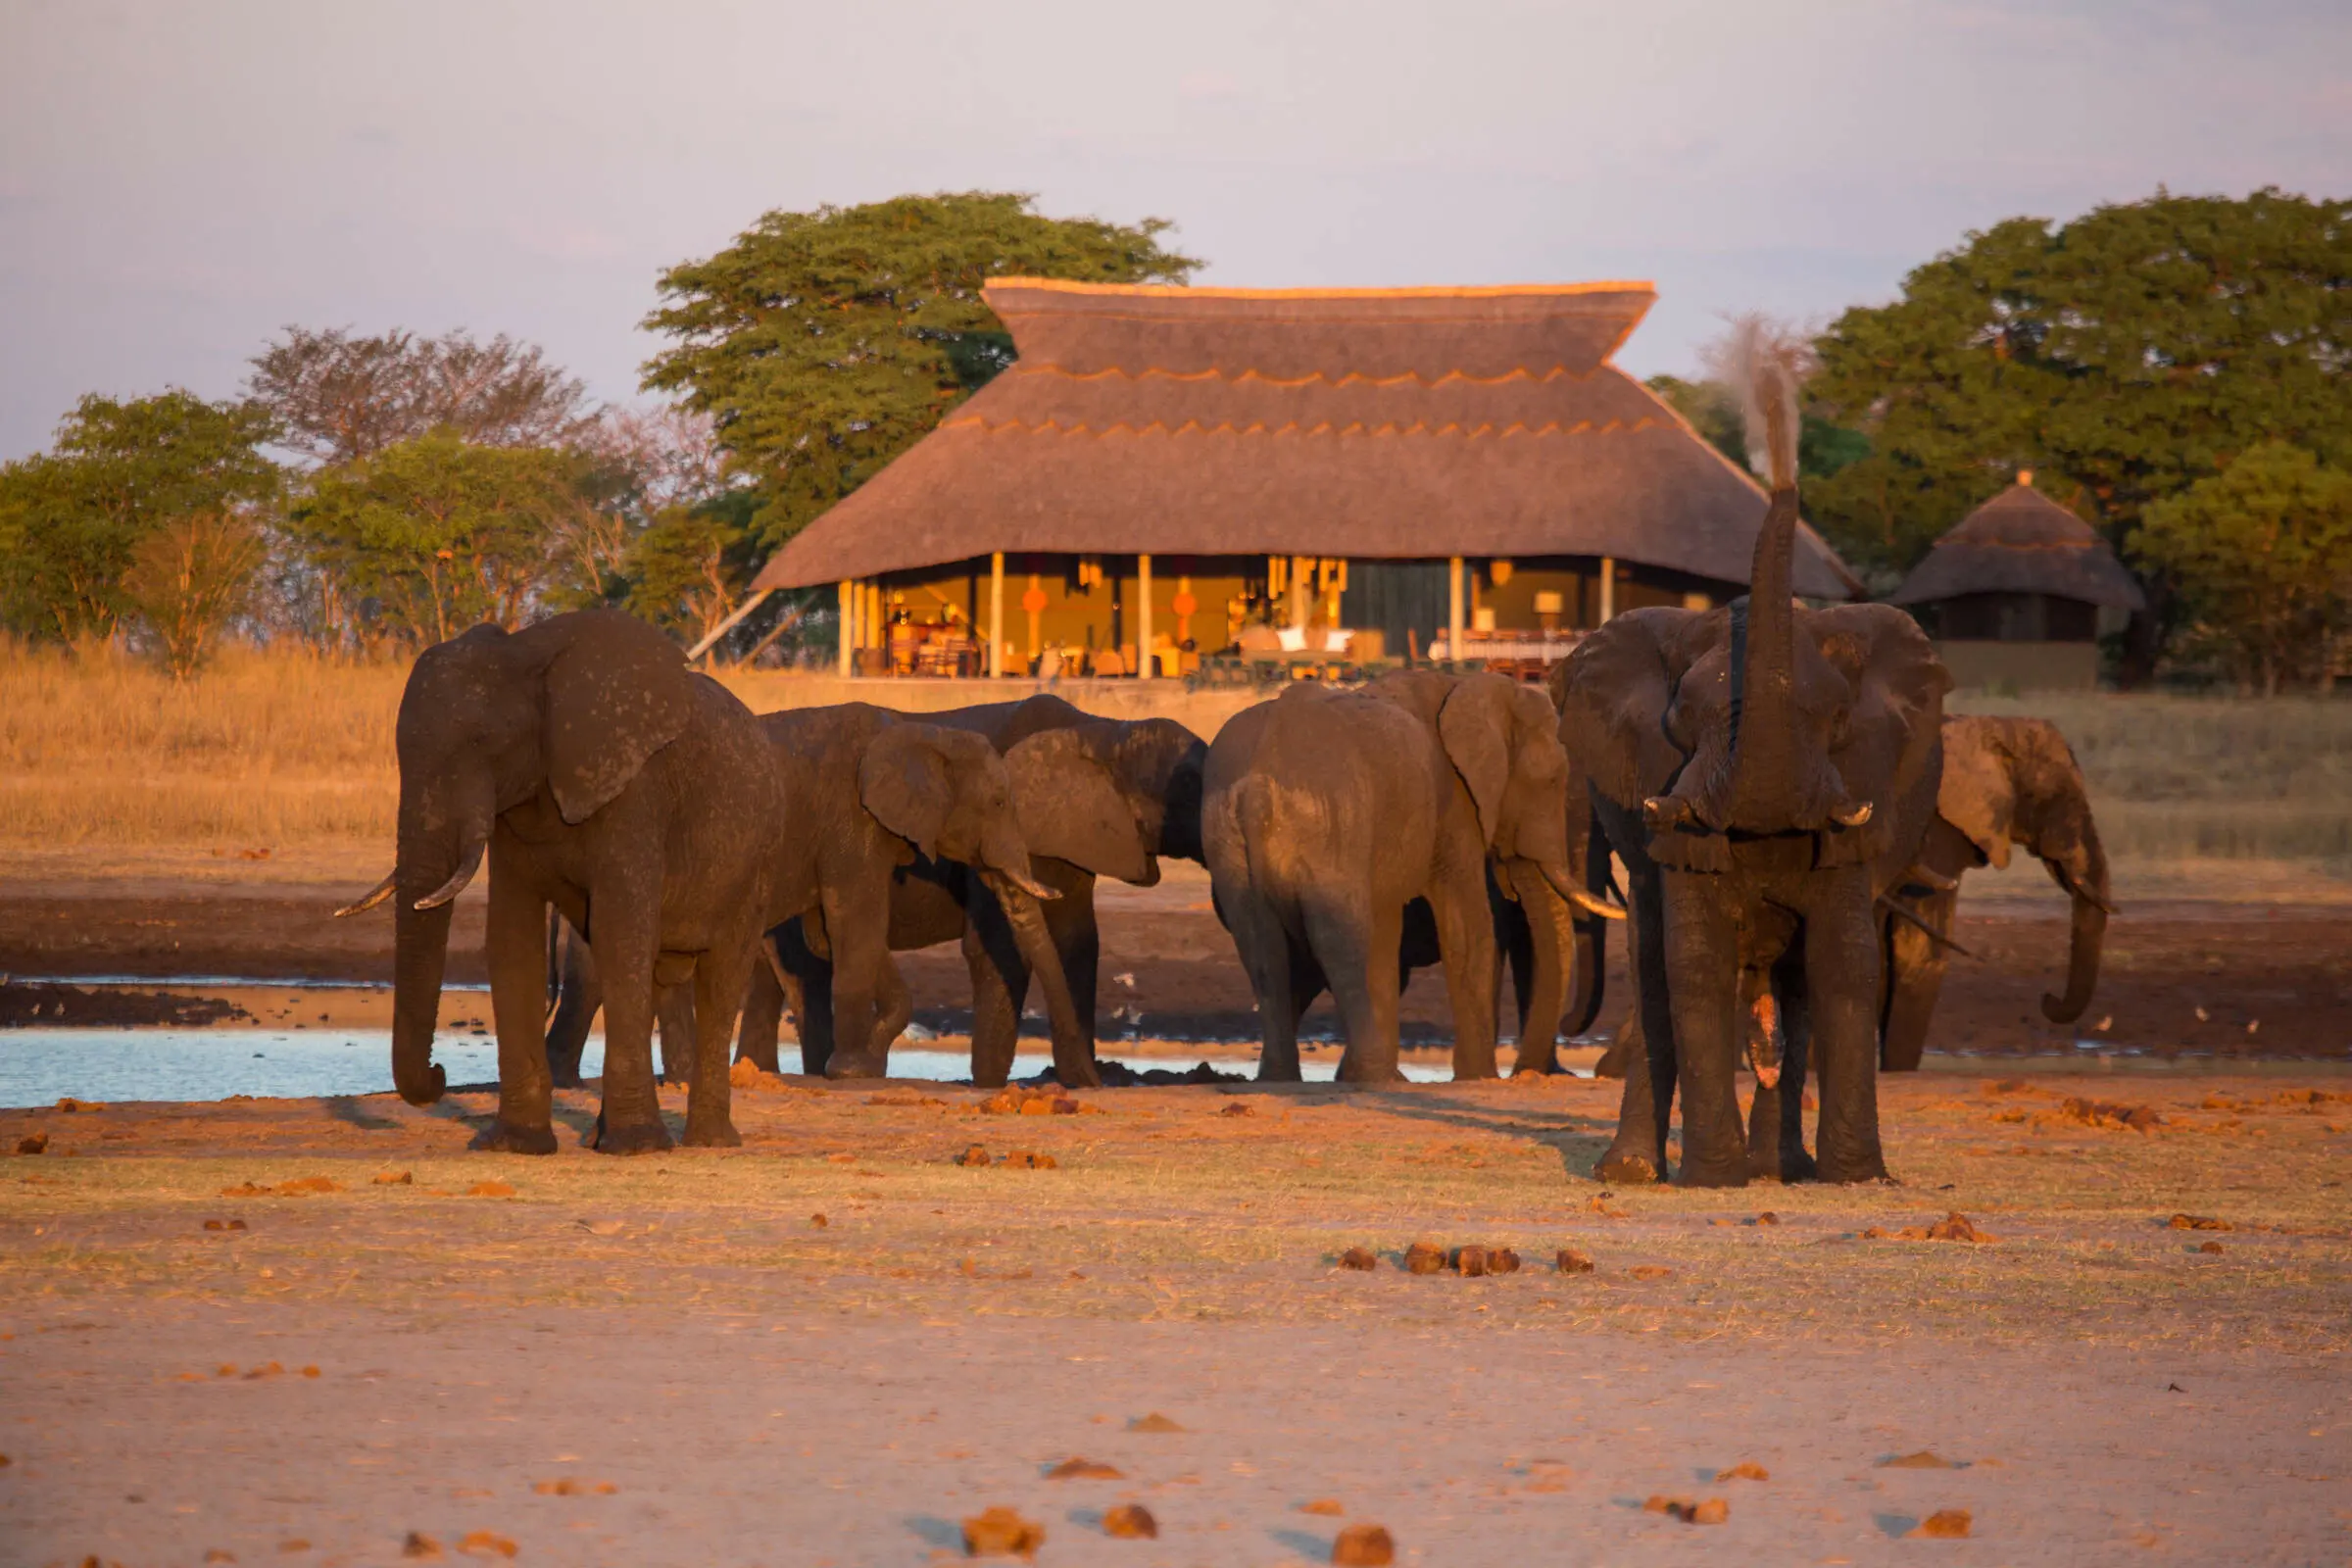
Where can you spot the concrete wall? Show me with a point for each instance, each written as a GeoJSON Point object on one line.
{"type": "Point", "coordinates": [1203, 712]}
{"type": "Point", "coordinates": [2021, 666]}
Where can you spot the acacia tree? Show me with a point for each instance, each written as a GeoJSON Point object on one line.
{"type": "Point", "coordinates": [2126, 356]}
{"type": "Point", "coordinates": [823, 344]}
{"type": "Point", "coordinates": [2261, 555]}
{"type": "Point", "coordinates": [434, 535]}
{"type": "Point", "coordinates": [338, 397]}
{"type": "Point", "coordinates": [190, 578]}
{"type": "Point", "coordinates": [73, 520]}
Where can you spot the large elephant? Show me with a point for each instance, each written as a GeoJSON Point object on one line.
{"type": "Point", "coordinates": [2005, 781]}
{"type": "Point", "coordinates": [1764, 771]}
{"type": "Point", "coordinates": [598, 774]}
{"type": "Point", "coordinates": [1095, 797]}
{"type": "Point", "coordinates": [889, 804]}
{"type": "Point", "coordinates": [1326, 814]}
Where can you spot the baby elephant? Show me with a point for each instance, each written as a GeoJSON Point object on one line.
{"type": "Point", "coordinates": [1324, 813]}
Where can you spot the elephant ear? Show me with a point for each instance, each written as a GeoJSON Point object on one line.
{"type": "Point", "coordinates": [1978, 796]}
{"type": "Point", "coordinates": [616, 692]}
{"type": "Point", "coordinates": [1613, 694]}
{"type": "Point", "coordinates": [905, 781]}
{"type": "Point", "coordinates": [1475, 727]}
{"type": "Point", "coordinates": [1071, 808]}
{"type": "Point", "coordinates": [1892, 754]}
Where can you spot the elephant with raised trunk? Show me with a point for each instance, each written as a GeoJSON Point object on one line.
{"type": "Point", "coordinates": [1094, 798]}
{"type": "Point", "coordinates": [1764, 770]}
{"type": "Point", "coordinates": [2005, 781]}
{"type": "Point", "coordinates": [595, 772]}
{"type": "Point", "coordinates": [1325, 815]}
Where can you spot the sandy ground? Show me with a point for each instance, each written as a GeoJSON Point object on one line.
{"type": "Point", "coordinates": [2263, 954]}
{"type": "Point", "coordinates": [759, 1387]}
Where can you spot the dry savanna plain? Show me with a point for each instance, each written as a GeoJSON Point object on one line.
{"type": "Point", "coordinates": [1175, 1325]}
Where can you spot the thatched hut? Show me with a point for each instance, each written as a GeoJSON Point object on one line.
{"type": "Point", "coordinates": [2019, 594]}
{"type": "Point", "coordinates": [1448, 472]}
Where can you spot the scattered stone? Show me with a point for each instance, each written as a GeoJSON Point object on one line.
{"type": "Point", "coordinates": [1028, 1159]}
{"type": "Point", "coordinates": [748, 1074]}
{"type": "Point", "coordinates": [219, 1555]}
{"type": "Point", "coordinates": [2110, 1113]}
{"type": "Point", "coordinates": [818, 1221]}
{"type": "Point", "coordinates": [1601, 1205]}
{"type": "Point", "coordinates": [1744, 1470]}
{"type": "Point", "coordinates": [1691, 1511]}
{"type": "Point", "coordinates": [1503, 1261]}
{"type": "Point", "coordinates": [1130, 1521]}
{"type": "Point", "coordinates": [396, 1178]}
{"type": "Point", "coordinates": [224, 1225]}
{"type": "Point", "coordinates": [1364, 1547]}
{"type": "Point", "coordinates": [2200, 1222]}
{"type": "Point", "coordinates": [1001, 1533]}
{"type": "Point", "coordinates": [1924, 1459]}
{"type": "Point", "coordinates": [309, 1371]}
{"type": "Point", "coordinates": [904, 1097]}
{"type": "Point", "coordinates": [2209, 1246]}
{"type": "Point", "coordinates": [269, 1369]}
{"type": "Point", "coordinates": [1955, 1227]}
{"type": "Point", "coordinates": [1024, 1100]}
{"type": "Point", "coordinates": [419, 1545]}
{"type": "Point", "coordinates": [34, 1144]}
{"type": "Point", "coordinates": [490, 1190]}
{"type": "Point", "coordinates": [1329, 1506]}
{"type": "Point", "coordinates": [1469, 1261]}
{"type": "Point", "coordinates": [1424, 1258]}
{"type": "Point", "coordinates": [1650, 1271]}
{"type": "Point", "coordinates": [972, 1155]}
{"type": "Point", "coordinates": [482, 1543]}
{"type": "Point", "coordinates": [1237, 1107]}
{"type": "Point", "coordinates": [71, 1106]}
{"type": "Point", "coordinates": [1568, 1260]}
{"type": "Point", "coordinates": [1360, 1259]}
{"type": "Point", "coordinates": [1085, 1470]}
{"type": "Point", "coordinates": [1154, 1422]}
{"type": "Point", "coordinates": [1946, 1523]}
{"type": "Point", "coordinates": [1768, 1217]}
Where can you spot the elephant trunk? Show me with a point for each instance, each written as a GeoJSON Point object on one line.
{"type": "Point", "coordinates": [1590, 937]}
{"type": "Point", "coordinates": [1073, 1058]}
{"type": "Point", "coordinates": [439, 854]}
{"type": "Point", "coordinates": [2083, 961]}
{"type": "Point", "coordinates": [1547, 923]}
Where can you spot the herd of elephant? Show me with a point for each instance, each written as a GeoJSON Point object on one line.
{"type": "Point", "coordinates": [1791, 807]}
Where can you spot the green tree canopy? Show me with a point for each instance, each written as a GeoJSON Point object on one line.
{"type": "Point", "coordinates": [430, 536]}
{"type": "Point", "coordinates": [73, 520]}
{"type": "Point", "coordinates": [2261, 555]}
{"type": "Point", "coordinates": [823, 344]}
{"type": "Point", "coordinates": [2126, 355]}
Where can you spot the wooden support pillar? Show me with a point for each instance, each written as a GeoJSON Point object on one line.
{"type": "Point", "coordinates": [1142, 619]}
{"type": "Point", "coordinates": [1033, 605]}
{"type": "Point", "coordinates": [1608, 588]}
{"type": "Point", "coordinates": [996, 614]}
{"type": "Point", "coordinates": [849, 623]}
{"type": "Point", "coordinates": [877, 628]}
{"type": "Point", "coordinates": [1453, 609]}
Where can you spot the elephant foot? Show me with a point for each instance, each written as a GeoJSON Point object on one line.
{"type": "Point", "coordinates": [721, 1135]}
{"type": "Point", "coordinates": [564, 1074]}
{"type": "Point", "coordinates": [1615, 1061]}
{"type": "Point", "coordinates": [1629, 1167]}
{"type": "Point", "coordinates": [857, 1064]}
{"type": "Point", "coordinates": [503, 1137]}
{"type": "Point", "coordinates": [1771, 1165]}
{"type": "Point", "coordinates": [1870, 1166]}
{"type": "Point", "coordinates": [631, 1137]}
{"type": "Point", "coordinates": [1712, 1173]}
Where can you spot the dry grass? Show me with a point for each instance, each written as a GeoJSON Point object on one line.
{"type": "Point", "coordinates": [100, 752]}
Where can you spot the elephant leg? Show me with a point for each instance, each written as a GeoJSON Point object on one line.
{"type": "Point", "coordinates": [1775, 1131]}
{"type": "Point", "coordinates": [1515, 943]}
{"type": "Point", "coordinates": [1638, 1154]}
{"type": "Point", "coordinates": [674, 1011]}
{"type": "Point", "coordinates": [1703, 955]}
{"type": "Point", "coordinates": [577, 999]}
{"type": "Point", "coordinates": [860, 953]}
{"type": "Point", "coordinates": [1543, 992]}
{"type": "Point", "coordinates": [894, 1009]}
{"type": "Point", "coordinates": [1626, 1046]}
{"type": "Point", "coordinates": [1000, 990]}
{"type": "Point", "coordinates": [812, 1019]}
{"type": "Point", "coordinates": [763, 1011]}
{"type": "Point", "coordinates": [1466, 942]}
{"type": "Point", "coordinates": [1915, 966]}
{"type": "Point", "coordinates": [1078, 941]}
{"type": "Point", "coordinates": [625, 944]}
{"type": "Point", "coordinates": [1356, 953]}
{"type": "Point", "coordinates": [1267, 957]}
{"type": "Point", "coordinates": [516, 944]}
{"type": "Point", "coordinates": [719, 978]}
{"type": "Point", "coordinates": [1841, 965]}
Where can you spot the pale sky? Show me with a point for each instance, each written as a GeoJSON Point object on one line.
{"type": "Point", "coordinates": [178, 180]}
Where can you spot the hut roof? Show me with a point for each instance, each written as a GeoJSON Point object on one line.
{"type": "Point", "coordinates": [2022, 542]}
{"type": "Point", "coordinates": [1399, 423]}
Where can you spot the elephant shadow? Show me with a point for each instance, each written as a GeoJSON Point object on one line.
{"type": "Point", "coordinates": [347, 1110]}
{"type": "Point", "coordinates": [1578, 1147]}
{"type": "Point", "coordinates": [944, 1534]}
{"type": "Point", "coordinates": [1309, 1546]}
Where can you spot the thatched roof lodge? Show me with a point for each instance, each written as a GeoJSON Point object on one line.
{"type": "Point", "coordinates": [1191, 469]}
{"type": "Point", "coordinates": [2019, 593]}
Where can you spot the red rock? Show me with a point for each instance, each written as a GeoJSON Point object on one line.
{"type": "Point", "coordinates": [419, 1545]}
{"type": "Point", "coordinates": [1001, 1533]}
{"type": "Point", "coordinates": [1744, 1470]}
{"type": "Point", "coordinates": [2209, 1246]}
{"type": "Point", "coordinates": [1424, 1258]}
{"type": "Point", "coordinates": [1130, 1521]}
{"type": "Point", "coordinates": [818, 1221]}
{"type": "Point", "coordinates": [396, 1178]}
{"type": "Point", "coordinates": [1470, 1261]}
{"type": "Point", "coordinates": [34, 1144]}
{"type": "Point", "coordinates": [1357, 1257]}
{"type": "Point", "coordinates": [1946, 1523]}
{"type": "Point", "coordinates": [1323, 1505]}
{"type": "Point", "coordinates": [1154, 1422]}
{"type": "Point", "coordinates": [1924, 1459]}
{"type": "Point", "coordinates": [1237, 1107]}
{"type": "Point", "coordinates": [1364, 1547]}
{"type": "Point", "coordinates": [1085, 1470]}
{"type": "Point", "coordinates": [972, 1155]}
{"type": "Point", "coordinates": [2200, 1222]}
{"type": "Point", "coordinates": [1568, 1260]}
{"type": "Point", "coordinates": [483, 1543]}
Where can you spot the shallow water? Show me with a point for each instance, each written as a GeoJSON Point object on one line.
{"type": "Point", "coordinates": [40, 1067]}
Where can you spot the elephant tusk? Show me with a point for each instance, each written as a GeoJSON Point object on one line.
{"type": "Point", "coordinates": [1851, 814]}
{"type": "Point", "coordinates": [375, 896]}
{"type": "Point", "coordinates": [1932, 881]}
{"type": "Point", "coordinates": [1666, 811]}
{"type": "Point", "coordinates": [1026, 883]}
{"type": "Point", "coordinates": [1904, 912]}
{"type": "Point", "coordinates": [456, 884]}
{"type": "Point", "coordinates": [1593, 906]}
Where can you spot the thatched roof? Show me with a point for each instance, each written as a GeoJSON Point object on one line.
{"type": "Point", "coordinates": [1395, 423]}
{"type": "Point", "coordinates": [2022, 542]}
